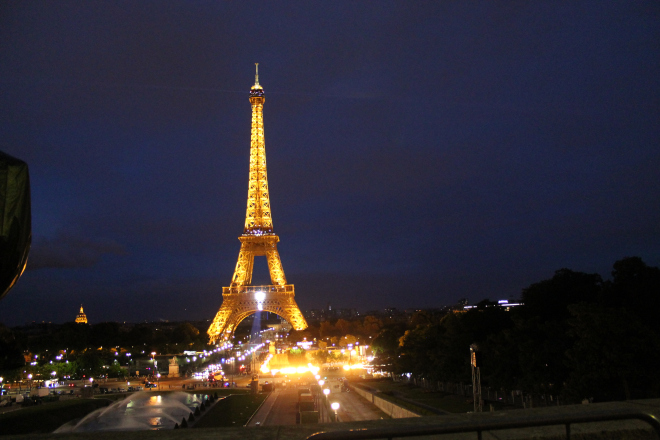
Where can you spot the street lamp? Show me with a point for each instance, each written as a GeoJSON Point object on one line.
{"type": "Point", "coordinates": [326, 392]}
{"type": "Point", "coordinates": [335, 407]}
{"type": "Point", "coordinates": [153, 360]}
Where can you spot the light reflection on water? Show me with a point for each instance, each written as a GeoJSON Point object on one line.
{"type": "Point", "coordinates": [140, 411]}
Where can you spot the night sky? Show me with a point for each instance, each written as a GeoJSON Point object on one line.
{"type": "Point", "coordinates": [417, 152]}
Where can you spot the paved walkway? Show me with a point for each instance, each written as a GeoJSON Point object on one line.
{"type": "Point", "coordinates": [353, 407]}
{"type": "Point", "coordinates": [259, 418]}
{"type": "Point", "coordinates": [285, 408]}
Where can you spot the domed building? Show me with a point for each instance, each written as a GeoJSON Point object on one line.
{"type": "Point", "coordinates": [81, 318]}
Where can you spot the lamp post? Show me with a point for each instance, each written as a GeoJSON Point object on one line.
{"type": "Point", "coordinates": [326, 392]}
{"type": "Point", "coordinates": [335, 407]}
{"type": "Point", "coordinates": [153, 361]}
{"type": "Point", "coordinates": [475, 361]}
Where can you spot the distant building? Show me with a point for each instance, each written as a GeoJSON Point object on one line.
{"type": "Point", "coordinates": [81, 318]}
{"type": "Point", "coordinates": [314, 314]}
{"type": "Point", "coordinates": [503, 303]}
{"type": "Point", "coordinates": [347, 313]}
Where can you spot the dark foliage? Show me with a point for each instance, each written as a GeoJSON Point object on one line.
{"type": "Point", "coordinates": [576, 335]}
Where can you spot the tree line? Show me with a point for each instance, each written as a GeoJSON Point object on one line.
{"type": "Point", "coordinates": [82, 349]}
{"type": "Point", "coordinates": [576, 335]}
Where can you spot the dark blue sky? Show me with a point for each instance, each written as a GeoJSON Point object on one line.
{"type": "Point", "coordinates": [418, 152]}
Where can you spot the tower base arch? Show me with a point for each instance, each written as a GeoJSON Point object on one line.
{"type": "Point", "coordinates": [242, 301]}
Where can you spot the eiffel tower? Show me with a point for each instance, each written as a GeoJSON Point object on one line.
{"type": "Point", "coordinates": [241, 299]}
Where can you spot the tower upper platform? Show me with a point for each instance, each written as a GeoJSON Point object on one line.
{"type": "Point", "coordinates": [257, 91]}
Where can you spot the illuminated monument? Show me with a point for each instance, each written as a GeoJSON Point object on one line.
{"type": "Point", "coordinates": [81, 318]}
{"type": "Point", "coordinates": [241, 299]}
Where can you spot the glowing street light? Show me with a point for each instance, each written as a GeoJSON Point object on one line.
{"type": "Point", "coordinates": [335, 407]}
{"type": "Point", "coordinates": [326, 392]}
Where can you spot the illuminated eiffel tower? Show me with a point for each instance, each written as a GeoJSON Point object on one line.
{"type": "Point", "coordinates": [241, 299]}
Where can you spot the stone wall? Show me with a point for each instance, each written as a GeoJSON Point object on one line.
{"type": "Point", "coordinates": [391, 409]}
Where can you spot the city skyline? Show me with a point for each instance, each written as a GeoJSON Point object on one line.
{"type": "Point", "coordinates": [417, 154]}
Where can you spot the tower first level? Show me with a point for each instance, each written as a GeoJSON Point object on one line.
{"type": "Point", "coordinates": [241, 299]}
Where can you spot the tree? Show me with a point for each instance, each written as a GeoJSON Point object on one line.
{"type": "Point", "coordinates": [115, 370]}
{"type": "Point", "coordinates": [11, 356]}
{"type": "Point", "coordinates": [343, 326]}
{"type": "Point", "coordinates": [615, 355]}
{"type": "Point", "coordinates": [385, 347]}
{"type": "Point", "coordinates": [549, 299]}
{"type": "Point", "coordinates": [371, 326]}
{"type": "Point", "coordinates": [186, 334]}
{"type": "Point", "coordinates": [326, 329]}
{"type": "Point", "coordinates": [89, 363]}
{"type": "Point", "coordinates": [320, 357]}
{"type": "Point", "coordinates": [636, 288]}
{"type": "Point", "coordinates": [347, 340]}
{"type": "Point", "coordinates": [105, 334]}
{"type": "Point", "coordinates": [296, 356]}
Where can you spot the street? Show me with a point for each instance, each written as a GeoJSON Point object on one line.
{"type": "Point", "coordinates": [281, 408]}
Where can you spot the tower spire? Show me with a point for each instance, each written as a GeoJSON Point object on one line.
{"type": "Point", "coordinates": [256, 76]}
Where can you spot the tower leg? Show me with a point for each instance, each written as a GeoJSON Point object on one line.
{"type": "Point", "coordinates": [243, 272]}
{"type": "Point", "coordinates": [275, 267]}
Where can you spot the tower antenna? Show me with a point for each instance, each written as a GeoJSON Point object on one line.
{"type": "Point", "coordinates": [256, 77]}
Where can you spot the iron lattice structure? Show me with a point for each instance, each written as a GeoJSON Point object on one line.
{"type": "Point", "coordinates": [241, 299]}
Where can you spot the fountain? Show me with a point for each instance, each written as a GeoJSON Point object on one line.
{"type": "Point", "coordinates": [140, 411]}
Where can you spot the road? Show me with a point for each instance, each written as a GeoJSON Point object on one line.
{"type": "Point", "coordinates": [280, 408]}
{"type": "Point", "coordinates": [165, 384]}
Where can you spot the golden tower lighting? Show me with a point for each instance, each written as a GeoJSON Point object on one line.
{"type": "Point", "coordinates": [241, 299]}
{"type": "Point", "coordinates": [81, 318]}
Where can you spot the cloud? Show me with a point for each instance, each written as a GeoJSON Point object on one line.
{"type": "Point", "coordinates": [67, 251]}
